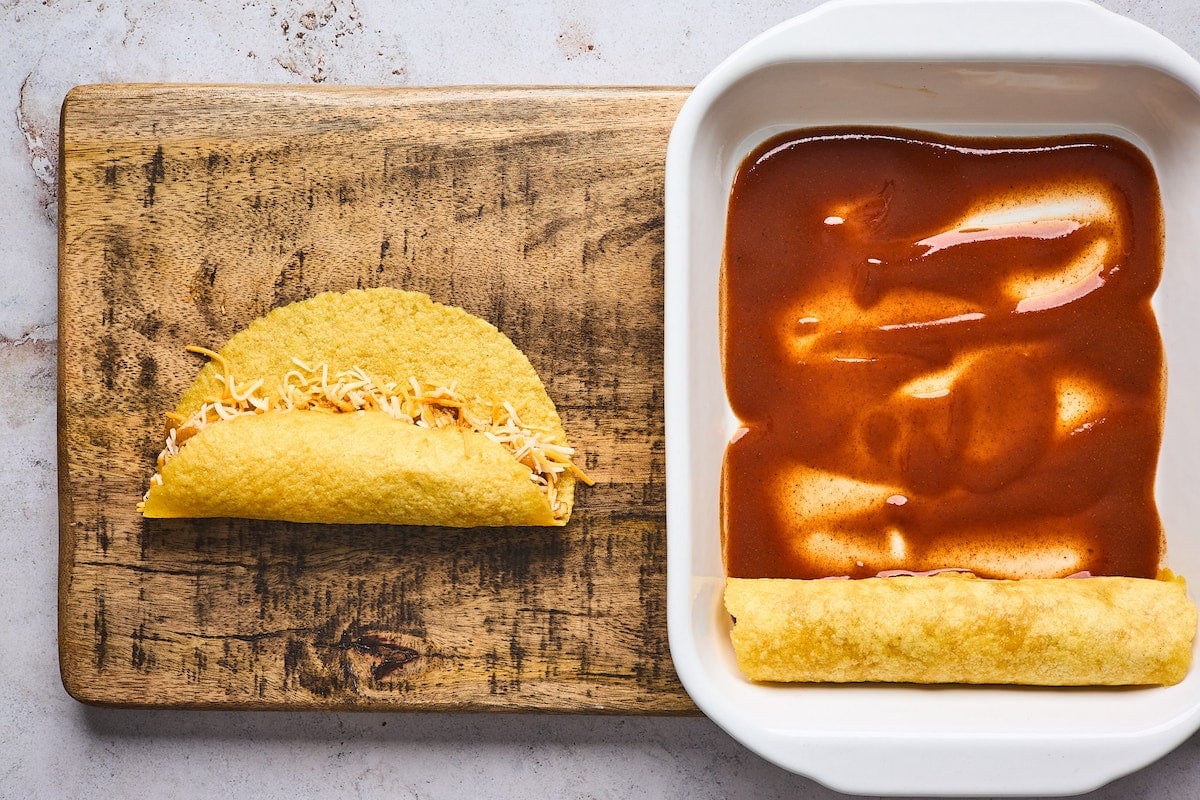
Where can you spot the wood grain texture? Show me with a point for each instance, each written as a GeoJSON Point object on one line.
{"type": "Point", "coordinates": [188, 211]}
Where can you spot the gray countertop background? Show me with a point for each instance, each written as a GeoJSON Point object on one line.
{"type": "Point", "coordinates": [53, 747]}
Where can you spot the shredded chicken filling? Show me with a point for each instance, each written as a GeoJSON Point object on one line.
{"type": "Point", "coordinates": [315, 388]}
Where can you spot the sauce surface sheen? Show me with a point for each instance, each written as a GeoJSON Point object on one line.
{"type": "Point", "coordinates": [943, 355]}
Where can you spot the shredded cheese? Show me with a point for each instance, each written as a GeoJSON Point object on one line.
{"type": "Point", "coordinates": [313, 388]}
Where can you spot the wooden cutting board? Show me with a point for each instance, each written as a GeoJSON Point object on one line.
{"type": "Point", "coordinates": [188, 211]}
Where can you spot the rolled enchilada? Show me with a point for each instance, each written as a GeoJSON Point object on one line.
{"type": "Point", "coordinates": [952, 628]}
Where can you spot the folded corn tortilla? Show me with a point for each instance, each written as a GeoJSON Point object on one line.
{"type": "Point", "coordinates": [371, 406]}
{"type": "Point", "coordinates": [954, 628]}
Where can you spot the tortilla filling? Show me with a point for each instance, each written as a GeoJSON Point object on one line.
{"type": "Point", "coordinates": [313, 388]}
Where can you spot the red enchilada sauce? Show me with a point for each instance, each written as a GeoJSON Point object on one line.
{"type": "Point", "coordinates": [943, 355]}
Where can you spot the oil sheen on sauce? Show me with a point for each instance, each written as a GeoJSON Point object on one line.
{"type": "Point", "coordinates": [943, 355]}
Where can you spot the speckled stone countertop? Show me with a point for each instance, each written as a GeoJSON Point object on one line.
{"type": "Point", "coordinates": [54, 747]}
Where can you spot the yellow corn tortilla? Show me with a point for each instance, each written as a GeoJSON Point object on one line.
{"type": "Point", "coordinates": [364, 466]}
{"type": "Point", "coordinates": [951, 628]}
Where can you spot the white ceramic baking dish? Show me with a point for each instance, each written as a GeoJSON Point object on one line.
{"type": "Point", "coordinates": [1012, 67]}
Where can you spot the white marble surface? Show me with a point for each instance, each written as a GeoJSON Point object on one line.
{"type": "Point", "coordinates": [53, 747]}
